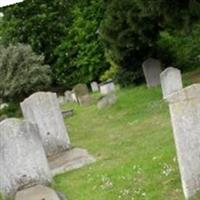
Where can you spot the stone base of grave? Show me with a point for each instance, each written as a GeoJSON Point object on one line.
{"type": "Point", "coordinates": [70, 160]}
{"type": "Point", "coordinates": [38, 192]}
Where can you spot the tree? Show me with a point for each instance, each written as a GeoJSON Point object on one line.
{"type": "Point", "coordinates": [40, 23]}
{"type": "Point", "coordinates": [21, 72]}
{"type": "Point", "coordinates": [81, 54]}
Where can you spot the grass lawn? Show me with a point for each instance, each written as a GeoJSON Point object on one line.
{"type": "Point", "coordinates": [133, 144]}
{"type": "Point", "coordinates": [134, 147]}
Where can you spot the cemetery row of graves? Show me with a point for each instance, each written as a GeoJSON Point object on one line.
{"type": "Point", "coordinates": [35, 149]}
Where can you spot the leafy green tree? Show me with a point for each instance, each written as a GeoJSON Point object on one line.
{"type": "Point", "coordinates": [40, 23]}
{"type": "Point", "coordinates": [21, 72]}
{"type": "Point", "coordinates": [131, 28]}
{"type": "Point", "coordinates": [81, 54]}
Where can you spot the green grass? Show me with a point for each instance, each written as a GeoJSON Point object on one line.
{"type": "Point", "coordinates": [134, 147]}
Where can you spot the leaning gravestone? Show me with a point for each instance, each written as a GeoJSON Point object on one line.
{"type": "Point", "coordinates": [43, 109]}
{"type": "Point", "coordinates": [171, 81]}
{"type": "Point", "coordinates": [152, 69]}
{"type": "Point", "coordinates": [22, 157]}
{"type": "Point", "coordinates": [94, 87]}
{"type": "Point", "coordinates": [185, 116]}
{"type": "Point", "coordinates": [107, 87]}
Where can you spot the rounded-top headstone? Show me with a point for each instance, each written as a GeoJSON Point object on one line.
{"type": "Point", "coordinates": [171, 81]}
{"type": "Point", "coordinates": [81, 90]}
{"type": "Point", "coordinates": [152, 70]}
{"type": "Point", "coordinates": [43, 109]}
{"type": "Point", "coordinates": [22, 157]}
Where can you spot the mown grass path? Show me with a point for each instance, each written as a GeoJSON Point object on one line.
{"type": "Point", "coordinates": [134, 147]}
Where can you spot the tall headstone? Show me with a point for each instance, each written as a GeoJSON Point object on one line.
{"type": "Point", "coordinates": [171, 81]}
{"type": "Point", "coordinates": [94, 87]}
{"type": "Point", "coordinates": [185, 116]}
{"type": "Point", "coordinates": [107, 87]}
{"type": "Point", "coordinates": [43, 109]}
{"type": "Point", "coordinates": [152, 69]}
{"type": "Point", "coordinates": [23, 162]}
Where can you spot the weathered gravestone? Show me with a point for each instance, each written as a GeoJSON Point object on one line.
{"type": "Point", "coordinates": [43, 109]}
{"type": "Point", "coordinates": [94, 87]}
{"type": "Point", "coordinates": [61, 100]}
{"type": "Point", "coordinates": [107, 100]}
{"type": "Point", "coordinates": [22, 157]}
{"type": "Point", "coordinates": [107, 87]}
{"type": "Point", "coordinates": [38, 192]}
{"type": "Point", "coordinates": [82, 93]}
{"type": "Point", "coordinates": [171, 81]}
{"type": "Point", "coordinates": [185, 116]}
{"type": "Point", "coordinates": [152, 69]}
{"type": "Point", "coordinates": [68, 96]}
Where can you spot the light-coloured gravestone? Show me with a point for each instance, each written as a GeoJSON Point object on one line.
{"type": "Point", "coordinates": [107, 87]}
{"type": "Point", "coordinates": [43, 109]}
{"type": "Point", "coordinates": [23, 162]}
{"type": "Point", "coordinates": [68, 96]}
{"type": "Point", "coordinates": [185, 116]}
{"type": "Point", "coordinates": [74, 97]}
{"type": "Point", "coordinates": [152, 69]}
{"type": "Point", "coordinates": [61, 100]}
{"type": "Point", "coordinates": [94, 87]}
{"type": "Point", "coordinates": [171, 81]}
{"type": "Point", "coordinates": [38, 192]}
{"type": "Point", "coordinates": [107, 100]}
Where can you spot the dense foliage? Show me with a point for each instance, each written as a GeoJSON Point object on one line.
{"type": "Point", "coordinates": [21, 72]}
{"type": "Point", "coordinates": [81, 53]}
{"type": "Point", "coordinates": [100, 39]}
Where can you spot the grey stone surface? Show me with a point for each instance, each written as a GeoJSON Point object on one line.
{"type": "Point", "coordinates": [85, 100]}
{"type": "Point", "coordinates": [22, 157]}
{"type": "Point", "coordinates": [152, 69]}
{"type": "Point", "coordinates": [106, 101]}
{"type": "Point", "coordinates": [38, 192]}
{"type": "Point", "coordinates": [94, 87]}
{"type": "Point", "coordinates": [61, 100]}
{"type": "Point", "coordinates": [107, 87]}
{"type": "Point", "coordinates": [185, 116]}
{"type": "Point", "coordinates": [43, 109]}
{"type": "Point", "coordinates": [70, 160]}
{"type": "Point", "coordinates": [74, 97]}
{"type": "Point", "coordinates": [68, 113]}
{"type": "Point", "coordinates": [68, 96]}
{"type": "Point", "coordinates": [171, 81]}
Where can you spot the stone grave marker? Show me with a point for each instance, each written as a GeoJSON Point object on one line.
{"type": "Point", "coordinates": [171, 81]}
{"type": "Point", "coordinates": [82, 94]}
{"type": "Point", "coordinates": [106, 101]}
{"type": "Point", "coordinates": [68, 96]}
{"type": "Point", "coordinates": [38, 192]}
{"type": "Point", "coordinates": [22, 157]}
{"type": "Point", "coordinates": [152, 69]}
{"type": "Point", "coordinates": [94, 87]}
{"type": "Point", "coordinates": [43, 109]}
{"type": "Point", "coordinates": [107, 87]}
{"type": "Point", "coordinates": [185, 116]}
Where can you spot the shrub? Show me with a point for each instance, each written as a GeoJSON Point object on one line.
{"type": "Point", "coordinates": [21, 72]}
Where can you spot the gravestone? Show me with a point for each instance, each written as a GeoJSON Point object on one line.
{"type": "Point", "coordinates": [61, 100]}
{"type": "Point", "coordinates": [74, 97]}
{"type": "Point", "coordinates": [171, 81]}
{"type": "Point", "coordinates": [43, 109]}
{"type": "Point", "coordinates": [152, 69]}
{"type": "Point", "coordinates": [82, 94]}
{"type": "Point", "coordinates": [22, 157]}
{"type": "Point", "coordinates": [68, 96]}
{"type": "Point", "coordinates": [106, 101]}
{"type": "Point", "coordinates": [107, 87]}
{"type": "Point", "coordinates": [94, 87]}
{"type": "Point", "coordinates": [185, 116]}
{"type": "Point", "coordinates": [38, 192]}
